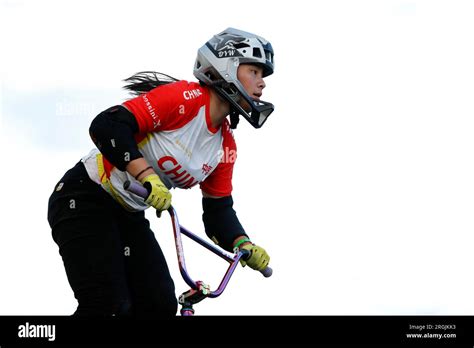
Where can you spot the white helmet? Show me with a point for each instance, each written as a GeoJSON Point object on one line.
{"type": "Point", "coordinates": [216, 66]}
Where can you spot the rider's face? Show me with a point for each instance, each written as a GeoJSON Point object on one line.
{"type": "Point", "coordinates": [251, 78]}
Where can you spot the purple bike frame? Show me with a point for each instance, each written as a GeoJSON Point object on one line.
{"type": "Point", "coordinates": [232, 259]}
{"type": "Point", "coordinates": [178, 230]}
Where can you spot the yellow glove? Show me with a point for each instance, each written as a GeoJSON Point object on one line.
{"type": "Point", "coordinates": [258, 259]}
{"type": "Point", "coordinates": [159, 197]}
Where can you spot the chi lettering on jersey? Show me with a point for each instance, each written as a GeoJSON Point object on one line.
{"type": "Point", "coordinates": [170, 166]}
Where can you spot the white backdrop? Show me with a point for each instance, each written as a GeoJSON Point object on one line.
{"type": "Point", "coordinates": [360, 185]}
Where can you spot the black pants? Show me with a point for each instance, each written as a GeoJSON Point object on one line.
{"type": "Point", "coordinates": [112, 259]}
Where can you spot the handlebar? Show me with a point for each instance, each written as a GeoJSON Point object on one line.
{"type": "Point", "coordinates": [141, 191]}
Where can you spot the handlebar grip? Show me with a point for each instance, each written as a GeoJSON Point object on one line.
{"type": "Point", "coordinates": [139, 190]}
{"type": "Point", "coordinates": [267, 272]}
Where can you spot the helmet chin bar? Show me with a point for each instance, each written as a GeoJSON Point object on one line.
{"type": "Point", "coordinates": [260, 109]}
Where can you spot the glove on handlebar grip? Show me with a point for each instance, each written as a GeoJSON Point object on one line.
{"type": "Point", "coordinates": [267, 272]}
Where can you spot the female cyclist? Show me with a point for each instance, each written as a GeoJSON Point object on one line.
{"type": "Point", "coordinates": [172, 134]}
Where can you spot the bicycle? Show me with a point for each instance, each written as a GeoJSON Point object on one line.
{"type": "Point", "coordinates": [199, 290]}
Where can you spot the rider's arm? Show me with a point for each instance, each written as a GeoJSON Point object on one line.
{"type": "Point", "coordinates": [220, 221]}
{"type": "Point", "coordinates": [223, 227]}
{"type": "Point", "coordinates": [219, 217]}
{"type": "Point", "coordinates": [112, 131]}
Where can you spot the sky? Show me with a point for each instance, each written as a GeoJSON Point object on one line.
{"type": "Point", "coordinates": [359, 185]}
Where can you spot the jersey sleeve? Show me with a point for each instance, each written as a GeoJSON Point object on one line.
{"type": "Point", "coordinates": [167, 107]}
{"type": "Point", "coordinates": [219, 183]}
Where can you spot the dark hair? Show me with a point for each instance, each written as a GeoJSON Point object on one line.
{"type": "Point", "coordinates": [145, 81]}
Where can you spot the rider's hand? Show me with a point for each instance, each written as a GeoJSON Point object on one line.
{"type": "Point", "coordinates": [258, 259]}
{"type": "Point", "coordinates": [159, 197]}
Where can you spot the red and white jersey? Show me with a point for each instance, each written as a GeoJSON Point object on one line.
{"type": "Point", "coordinates": [176, 137]}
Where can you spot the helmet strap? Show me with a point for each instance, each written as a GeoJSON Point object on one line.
{"type": "Point", "coordinates": [234, 118]}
